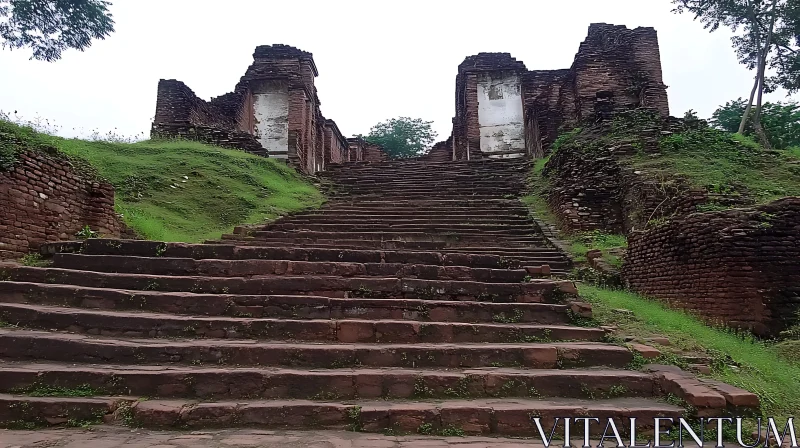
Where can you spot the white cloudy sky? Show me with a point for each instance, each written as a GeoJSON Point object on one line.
{"type": "Point", "coordinates": [377, 58]}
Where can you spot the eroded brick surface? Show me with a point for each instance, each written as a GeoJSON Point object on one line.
{"type": "Point", "coordinates": [43, 198]}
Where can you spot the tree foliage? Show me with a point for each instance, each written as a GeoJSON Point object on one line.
{"type": "Point", "coordinates": [781, 121]}
{"type": "Point", "coordinates": [767, 38]}
{"type": "Point", "coordinates": [49, 27]}
{"type": "Point", "coordinates": [403, 137]}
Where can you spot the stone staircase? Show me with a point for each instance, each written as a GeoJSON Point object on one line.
{"type": "Point", "coordinates": [420, 299]}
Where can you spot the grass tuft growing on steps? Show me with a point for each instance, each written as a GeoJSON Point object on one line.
{"type": "Point", "coordinates": [180, 190]}
{"type": "Point", "coordinates": [761, 368]}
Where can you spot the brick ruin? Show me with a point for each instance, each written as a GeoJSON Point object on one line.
{"type": "Point", "coordinates": [44, 199]}
{"type": "Point", "coordinates": [740, 267]}
{"type": "Point", "coordinates": [503, 110]}
{"type": "Point", "coordinates": [273, 111]}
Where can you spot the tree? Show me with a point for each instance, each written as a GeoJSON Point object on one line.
{"type": "Point", "coordinates": [781, 121]}
{"type": "Point", "coordinates": [403, 137]}
{"type": "Point", "coordinates": [769, 39]}
{"type": "Point", "coordinates": [49, 27]}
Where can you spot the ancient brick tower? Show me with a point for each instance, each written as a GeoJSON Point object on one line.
{"type": "Point", "coordinates": [274, 110]}
{"type": "Point", "coordinates": [503, 110]}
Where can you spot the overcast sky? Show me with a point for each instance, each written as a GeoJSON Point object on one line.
{"type": "Point", "coordinates": [377, 59]}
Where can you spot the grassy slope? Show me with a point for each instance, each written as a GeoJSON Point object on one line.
{"type": "Point", "coordinates": [762, 370]}
{"type": "Point", "coordinates": [723, 163]}
{"type": "Point", "coordinates": [185, 191]}
{"type": "Point", "coordinates": [719, 162]}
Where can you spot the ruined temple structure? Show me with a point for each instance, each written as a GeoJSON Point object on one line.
{"type": "Point", "coordinates": [504, 110]}
{"type": "Point", "coordinates": [273, 111]}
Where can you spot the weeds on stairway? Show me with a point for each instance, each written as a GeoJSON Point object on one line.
{"type": "Point", "coordinates": [754, 365]}
{"type": "Point", "coordinates": [511, 319]}
{"type": "Point", "coordinates": [34, 260]}
{"type": "Point", "coordinates": [354, 415]}
{"type": "Point", "coordinates": [47, 390]}
{"type": "Point", "coordinates": [86, 232]}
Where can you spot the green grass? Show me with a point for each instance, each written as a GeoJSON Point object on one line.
{"type": "Point", "coordinates": [581, 243]}
{"type": "Point", "coordinates": [179, 190]}
{"type": "Point", "coordinates": [727, 163]}
{"type": "Point", "coordinates": [43, 390]}
{"type": "Point", "coordinates": [762, 369]}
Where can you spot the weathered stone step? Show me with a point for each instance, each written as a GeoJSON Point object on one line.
{"type": "Point", "coordinates": [417, 181]}
{"type": "Point", "coordinates": [396, 245]}
{"type": "Point", "coordinates": [413, 195]}
{"type": "Point", "coordinates": [411, 213]}
{"type": "Point", "coordinates": [537, 290]}
{"type": "Point", "coordinates": [524, 233]}
{"type": "Point", "coordinates": [140, 248]}
{"type": "Point", "coordinates": [390, 228]}
{"type": "Point", "coordinates": [436, 218]}
{"type": "Point", "coordinates": [246, 268]}
{"type": "Point", "coordinates": [276, 306]}
{"type": "Point", "coordinates": [326, 384]}
{"type": "Point", "coordinates": [146, 324]}
{"type": "Point", "coordinates": [426, 206]}
{"type": "Point", "coordinates": [453, 186]}
{"type": "Point", "coordinates": [419, 188]}
{"type": "Point", "coordinates": [22, 411]}
{"type": "Point", "coordinates": [426, 203]}
{"type": "Point", "coordinates": [410, 217]}
{"type": "Point", "coordinates": [506, 417]}
{"type": "Point", "coordinates": [36, 345]}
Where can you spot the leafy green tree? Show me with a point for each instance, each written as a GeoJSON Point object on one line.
{"type": "Point", "coordinates": [403, 137]}
{"type": "Point", "coordinates": [768, 36]}
{"type": "Point", "coordinates": [49, 27]}
{"type": "Point", "coordinates": [781, 121]}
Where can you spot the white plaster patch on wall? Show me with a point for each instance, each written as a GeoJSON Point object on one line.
{"type": "Point", "coordinates": [271, 110]}
{"type": "Point", "coordinates": [500, 114]}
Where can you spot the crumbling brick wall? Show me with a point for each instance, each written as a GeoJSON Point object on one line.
{"type": "Point", "coordinates": [335, 144]}
{"type": "Point", "coordinates": [374, 153]}
{"type": "Point", "coordinates": [360, 149]}
{"type": "Point", "coordinates": [592, 186]}
{"type": "Point", "coordinates": [44, 198]}
{"type": "Point", "coordinates": [181, 114]}
{"type": "Point", "coordinates": [615, 69]}
{"type": "Point", "coordinates": [440, 152]}
{"type": "Point", "coordinates": [274, 110]}
{"type": "Point", "coordinates": [739, 267]}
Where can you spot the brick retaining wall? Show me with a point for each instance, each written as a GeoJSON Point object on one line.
{"type": "Point", "coordinates": [739, 267]}
{"type": "Point", "coordinates": [44, 198]}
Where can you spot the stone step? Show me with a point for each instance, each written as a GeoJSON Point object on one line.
{"type": "Point", "coordinates": [209, 382]}
{"type": "Point", "coordinates": [414, 195]}
{"type": "Point", "coordinates": [141, 248]}
{"type": "Point", "coordinates": [462, 230]}
{"type": "Point", "coordinates": [493, 416]}
{"type": "Point", "coordinates": [537, 290]}
{"type": "Point", "coordinates": [427, 180]}
{"type": "Point", "coordinates": [422, 205]}
{"type": "Point", "coordinates": [425, 189]}
{"type": "Point", "coordinates": [160, 325]}
{"type": "Point", "coordinates": [246, 268]}
{"type": "Point", "coordinates": [450, 185]}
{"type": "Point", "coordinates": [21, 345]}
{"type": "Point", "coordinates": [558, 263]}
{"type": "Point", "coordinates": [277, 306]}
{"type": "Point", "coordinates": [524, 233]}
{"type": "Point", "coordinates": [428, 203]}
{"type": "Point", "coordinates": [410, 217]}
{"type": "Point", "coordinates": [395, 245]}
